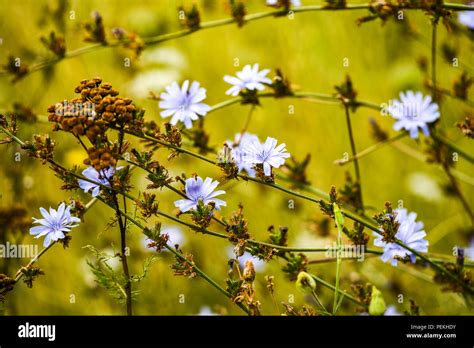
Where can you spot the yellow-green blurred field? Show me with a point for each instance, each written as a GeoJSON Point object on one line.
{"type": "Point", "coordinates": [310, 50]}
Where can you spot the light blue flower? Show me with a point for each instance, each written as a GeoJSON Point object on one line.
{"type": "Point", "coordinates": [391, 311]}
{"type": "Point", "coordinates": [467, 18]}
{"type": "Point", "coordinates": [248, 78]}
{"type": "Point", "coordinates": [101, 177]}
{"type": "Point", "coordinates": [206, 311]}
{"type": "Point", "coordinates": [238, 154]}
{"type": "Point", "coordinates": [198, 190]}
{"type": "Point", "coordinates": [54, 224]}
{"type": "Point", "coordinates": [410, 232]}
{"type": "Point", "coordinates": [413, 111]}
{"type": "Point", "coordinates": [267, 154]}
{"type": "Point", "coordinates": [182, 104]}
{"type": "Point", "coordinates": [469, 251]}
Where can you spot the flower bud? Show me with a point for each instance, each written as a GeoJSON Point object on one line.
{"type": "Point", "coordinates": [377, 304]}
{"type": "Point", "coordinates": [305, 283]}
{"type": "Point", "coordinates": [249, 271]}
{"type": "Point", "coordinates": [338, 215]}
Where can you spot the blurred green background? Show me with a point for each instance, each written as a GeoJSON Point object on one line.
{"type": "Point", "coordinates": [310, 50]}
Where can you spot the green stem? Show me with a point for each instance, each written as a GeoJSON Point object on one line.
{"type": "Point", "coordinates": [371, 149]}
{"type": "Point", "coordinates": [340, 225]}
{"type": "Point", "coordinates": [123, 255]}
{"type": "Point", "coordinates": [452, 146]}
{"type": "Point", "coordinates": [149, 41]}
{"type": "Point", "coordinates": [458, 192]}
{"type": "Point", "coordinates": [225, 103]}
{"type": "Point", "coordinates": [433, 58]}
{"type": "Point", "coordinates": [247, 122]}
{"type": "Point", "coordinates": [34, 260]}
{"type": "Point", "coordinates": [347, 213]}
{"type": "Point", "coordinates": [356, 162]}
{"type": "Point", "coordinates": [200, 272]}
{"type": "Point", "coordinates": [328, 97]}
{"type": "Point", "coordinates": [331, 287]}
{"type": "Point", "coordinates": [318, 301]}
{"type": "Point", "coordinates": [423, 158]}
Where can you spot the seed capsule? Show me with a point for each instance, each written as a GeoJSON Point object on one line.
{"type": "Point", "coordinates": [377, 304]}
{"type": "Point", "coordinates": [305, 283]}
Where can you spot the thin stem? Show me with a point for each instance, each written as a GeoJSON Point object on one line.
{"type": "Point", "coordinates": [347, 213]}
{"type": "Point", "coordinates": [326, 97]}
{"type": "Point", "coordinates": [281, 188]}
{"type": "Point", "coordinates": [81, 142]}
{"type": "Point", "coordinates": [334, 259]}
{"type": "Point", "coordinates": [371, 149]}
{"type": "Point", "coordinates": [19, 274]}
{"type": "Point", "coordinates": [459, 194]}
{"type": "Point", "coordinates": [123, 256]}
{"type": "Point", "coordinates": [247, 123]}
{"type": "Point", "coordinates": [330, 286]}
{"type": "Point", "coordinates": [354, 153]}
{"type": "Point", "coordinates": [278, 13]}
{"type": "Point", "coordinates": [433, 57]}
{"type": "Point", "coordinates": [123, 233]}
{"type": "Point", "coordinates": [339, 223]}
{"type": "Point", "coordinates": [452, 146]}
{"type": "Point", "coordinates": [422, 158]}
{"type": "Point", "coordinates": [225, 103]}
{"type": "Point", "coordinates": [445, 165]}
{"type": "Point", "coordinates": [200, 272]}
{"type": "Point", "coordinates": [362, 221]}
{"type": "Point", "coordinates": [321, 97]}
{"type": "Point", "coordinates": [450, 94]}
{"type": "Point", "coordinates": [318, 301]}
{"type": "Point", "coordinates": [213, 233]}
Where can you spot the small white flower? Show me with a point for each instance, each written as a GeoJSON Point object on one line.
{"type": "Point", "coordinates": [413, 111]}
{"type": "Point", "coordinates": [467, 18]}
{"type": "Point", "coordinates": [295, 3]}
{"type": "Point", "coordinates": [182, 104]}
{"type": "Point", "coordinates": [54, 224]}
{"type": "Point", "coordinates": [267, 154]}
{"type": "Point", "coordinates": [248, 78]}
{"type": "Point", "coordinates": [199, 190]}
{"type": "Point", "coordinates": [238, 154]}
{"type": "Point", "coordinates": [101, 177]}
{"type": "Point", "coordinates": [410, 232]}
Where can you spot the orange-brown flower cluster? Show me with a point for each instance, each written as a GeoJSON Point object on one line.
{"type": "Point", "coordinates": [100, 158]}
{"type": "Point", "coordinates": [96, 110]}
{"type": "Point", "coordinates": [92, 114]}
